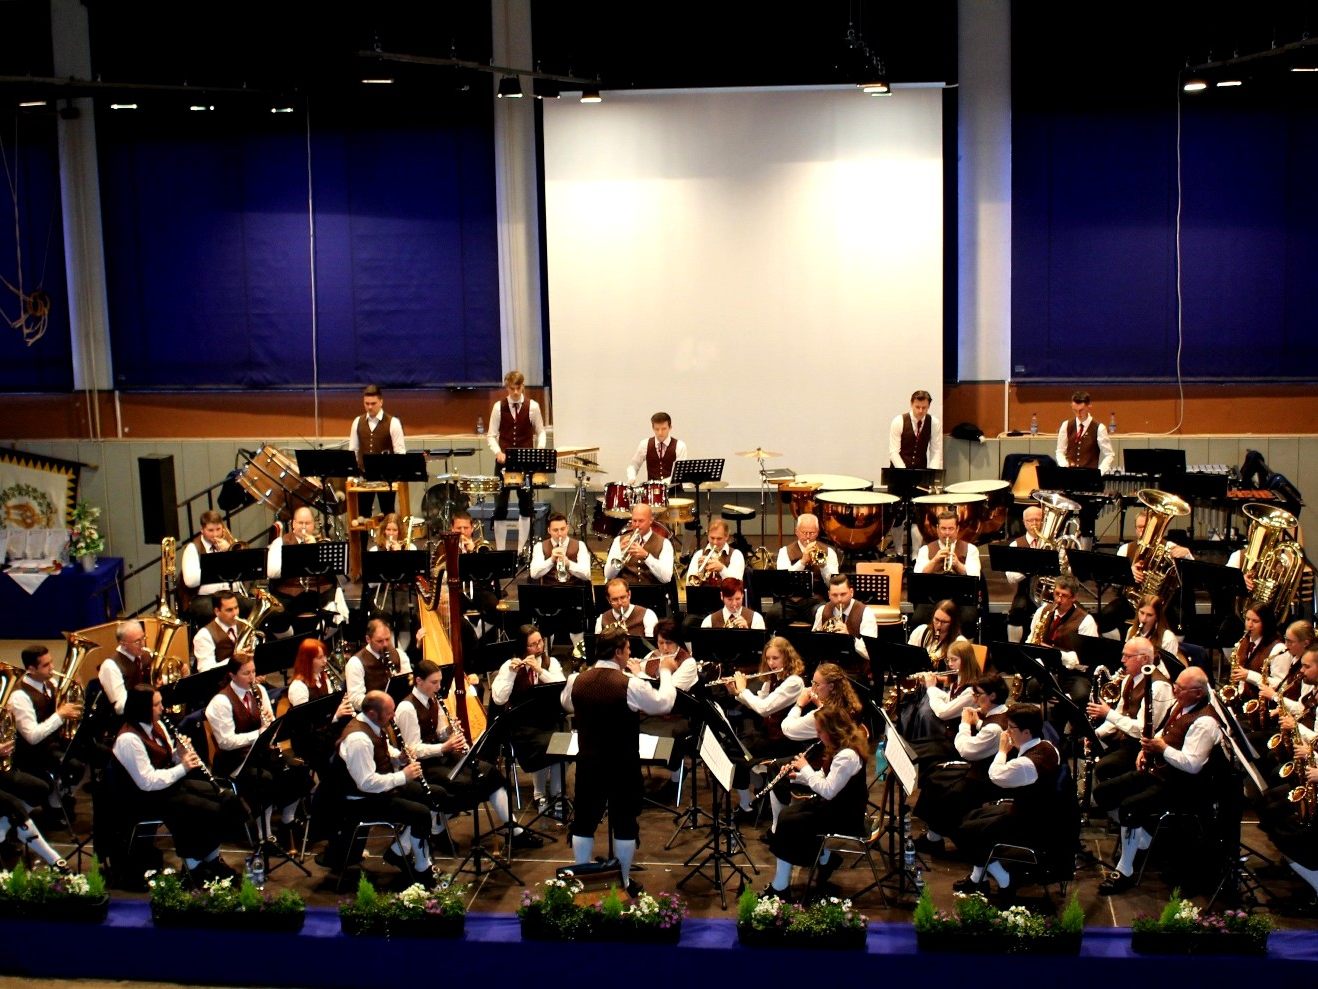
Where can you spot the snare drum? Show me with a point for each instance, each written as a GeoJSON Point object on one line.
{"type": "Point", "coordinates": [652, 493]}
{"type": "Point", "coordinates": [271, 478]}
{"type": "Point", "coordinates": [681, 510]}
{"type": "Point", "coordinates": [854, 520]}
{"type": "Point", "coordinates": [992, 516]}
{"type": "Point", "coordinates": [968, 508]}
{"type": "Point", "coordinates": [617, 500]}
{"type": "Point", "coordinates": [515, 479]}
{"type": "Point", "coordinates": [479, 484]}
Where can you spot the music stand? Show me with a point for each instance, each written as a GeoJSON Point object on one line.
{"type": "Point", "coordinates": [194, 691]}
{"type": "Point", "coordinates": [1104, 570]}
{"type": "Point", "coordinates": [1095, 651]}
{"type": "Point", "coordinates": [697, 472]}
{"type": "Point", "coordinates": [703, 599]}
{"type": "Point", "coordinates": [232, 567]}
{"type": "Point", "coordinates": [325, 464]}
{"type": "Point", "coordinates": [398, 567]}
{"type": "Point", "coordinates": [399, 686]}
{"type": "Point", "coordinates": [821, 647]}
{"type": "Point", "coordinates": [906, 483]}
{"type": "Point", "coordinates": [729, 646]}
{"type": "Point", "coordinates": [1069, 479]}
{"type": "Point", "coordinates": [556, 607]}
{"type": "Point", "coordinates": [394, 467]}
{"type": "Point", "coordinates": [1022, 559]}
{"type": "Point", "coordinates": [477, 853]}
{"type": "Point", "coordinates": [784, 586]}
{"type": "Point", "coordinates": [892, 662]}
{"type": "Point", "coordinates": [487, 569]}
{"type": "Point", "coordinates": [314, 560]}
{"type": "Point", "coordinates": [537, 708]}
{"type": "Point", "coordinates": [1152, 460]}
{"type": "Point", "coordinates": [276, 655]}
{"type": "Point", "coordinates": [1225, 586]}
{"type": "Point", "coordinates": [903, 771]}
{"type": "Point", "coordinates": [930, 588]}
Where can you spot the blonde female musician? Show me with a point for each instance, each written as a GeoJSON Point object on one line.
{"type": "Point", "coordinates": [1300, 637]}
{"type": "Point", "coordinates": [836, 804]}
{"type": "Point", "coordinates": [1151, 623]}
{"type": "Point", "coordinates": [946, 695]}
{"type": "Point", "coordinates": [390, 601]}
{"type": "Point", "coordinates": [771, 703]}
{"type": "Point", "coordinates": [829, 687]}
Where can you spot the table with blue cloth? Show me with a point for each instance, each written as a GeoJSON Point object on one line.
{"type": "Point", "coordinates": [71, 599]}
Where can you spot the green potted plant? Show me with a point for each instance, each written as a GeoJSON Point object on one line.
{"type": "Point", "coordinates": [977, 926]}
{"type": "Point", "coordinates": [48, 894]}
{"type": "Point", "coordinates": [85, 540]}
{"type": "Point", "coordinates": [222, 904]}
{"type": "Point", "coordinates": [1183, 929]}
{"type": "Point", "coordinates": [415, 912]}
{"type": "Point", "coordinates": [554, 914]}
{"type": "Point", "coordinates": [770, 922]}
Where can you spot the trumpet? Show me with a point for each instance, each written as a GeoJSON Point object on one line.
{"type": "Point", "coordinates": [948, 546]}
{"type": "Point", "coordinates": [700, 573]}
{"type": "Point", "coordinates": [229, 541]}
{"type": "Point", "coordinates": [626, 539]}
{"type": "Point", "coordinates": [816, 555]}
{"type": "Point", "coordinates": [736, 621]}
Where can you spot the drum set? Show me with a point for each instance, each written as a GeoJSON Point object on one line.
{"type": "Point", "coordinates": [614, 511]}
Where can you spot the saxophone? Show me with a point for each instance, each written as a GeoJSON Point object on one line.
{"type": "Point", "coordinates": [1284, 740]}
{"type": "Point", "coordinates": [1305, 797]}
{"type": "Point", "coordinates": [1040, 626]}
{"type": "Point", "coordinates": [1228, 692]}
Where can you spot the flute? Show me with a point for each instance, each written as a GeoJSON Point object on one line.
{"type": "Point", "coordinates": [787, 768]}
{"type": "Point", "coordinates": [749, 677]}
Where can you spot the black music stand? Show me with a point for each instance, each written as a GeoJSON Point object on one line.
{"type": "Point", "coordinates": [316, 560]}
{"type": "Point", "coordinates": [906, 483]}
{"type": "Point", "coordinates": [278, 655]}
{"type": "Point", "coordinates": [929, 588]}
{"type": "Point", "coordinates": [822, 647]}
{"type": "Point", "coordinates": [1152, 460]}
{"type": "Point", "coordinates": [398, 567]}
{"type": "Point", "coordinates": [729, 647]}
{"type": "Point", "coordinates": [691, 706]}
{"type": "Point", "coordinates": [1094, 651]}
{"type": "Point", "coordinates": [196, 690]}
{"type": "Point", "coordinates": [232, 567]}
{"type": "Point", "coordinates": [394, 467]}
{"type": "Point", "coordinates": [477, 853]}
{"type": "Point", "coordinates": [541, 704]}
{"type": "Point", "coordinates": [325, 464]}
{"type": "Point", "coordinates": [1022, 559]}
{"type": "Point", "coordinates": [484, 572]}
{"type": "Point", "coordinates": [697, 472]}
{"type": "Point", "coordinates": [1104, 570]}
{"type": "Point", "coordinates": [1225, 586]}
{"type": "Point", "coordinates": [719, 749]}
{"type": "Point", "coordinates": [556, 607]}
{"type": "Point", "coordinates": [794, 588]}
{"type": "Point", "coordinates": [703, 599]}
{"type": "Point", "coordinates": [1069, 479]}
{"type": "Point", "coordinates": [871, 587]}
{"type": "Point", "coordinates": [530, 461]}
{"type": "Point", "coordinates": [893, 662]}
{"type": "Point", "coordinates": [897, 785]}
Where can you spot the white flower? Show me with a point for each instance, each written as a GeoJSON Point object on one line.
{"type": "Point", "coordinates": [415, 895]}
{"type": "Point", "coordinates": [1187, 911]}
{"type": "Point", "coordinates": [146, 875]}
{"type": "Point", "coordinates": [767, 908]}
{"type": "Point", "coordinates": [78, 883]}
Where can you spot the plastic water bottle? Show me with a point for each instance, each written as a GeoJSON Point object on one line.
{"type": "Point", "coordinates": [908, 856]}
{"type": "Point", "coordinates": [480, 425]}
{"type": "Point", "coordinates": [1112, 424]}
{"type": "Point", "coordinates": [1034, 424]}
{"type": "Point", "coordinates": [918, 880]}
{"type": "Point", "coordinates": [256, 870]}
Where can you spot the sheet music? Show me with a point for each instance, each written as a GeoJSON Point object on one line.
{"type": "Point", "coordinates": [715, 759]}
{"type": "Point", "coordinates": [897, 756]}
{"type": "Point", "coordinates": [647, 746]}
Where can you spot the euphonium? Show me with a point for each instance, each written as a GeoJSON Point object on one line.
{"type": "Point", "coordinates": [10, 677]}
{"type": "Point", "coordinates": [1276, 560]}
{"type": "Point", "coordinates": [1150, 553]}
{"type": "Point", "coordinates": [1058, 532]}
{"type": "Point", "coordinates": [266, 605]}
{"type": "Point", "coordinates": [71, 690]}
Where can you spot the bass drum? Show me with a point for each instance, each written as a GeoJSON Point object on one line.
{"type": "Point", "coordinates": [271, 477]}
{"type": "Point", "coordinates": [968, 507]}
{"type": "Point", "coordinates": [993, 516]}
{"type": "Point", "coordinates": [439, 504]}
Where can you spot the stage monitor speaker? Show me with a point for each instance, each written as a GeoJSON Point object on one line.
{"type": "Point", "coordinates": [159, 498]}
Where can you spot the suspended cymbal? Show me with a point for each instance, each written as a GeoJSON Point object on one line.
{"type": "Point", "coordinates": [759, 453]}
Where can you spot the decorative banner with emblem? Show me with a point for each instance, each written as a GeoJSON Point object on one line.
{"type": "Point", "coordinates": [36, 492]}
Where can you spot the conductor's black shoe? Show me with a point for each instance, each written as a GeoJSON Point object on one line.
{"type": "Point", "coordinates": [968, 885]}
{"type": "Point", "coordinates": [527, 839]}
{"type": "Point", "coordinates": [1115, 883]}
{"type": "Point", "coordinates": [441, 843]}
{"type": "Point", "coordinates": [400, 863]}
{"type": "Point", "coordinates": [930, 846]}
{"type": "Point", "coordinates": [634, 889]}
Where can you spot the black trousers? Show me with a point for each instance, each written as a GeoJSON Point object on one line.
{"type": "Point", "coordinates": [197, 816]}
{"type": "Point", "coordinates": [603, 783]}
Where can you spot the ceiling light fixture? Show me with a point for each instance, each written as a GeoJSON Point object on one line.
{"type": "Point", "coordinates": [31, 103]}
{"type": "Point", "coordinates": [1225, 83]}
{"type": "Point", "coordinates": [510, 88]}
{"type": "Point", "coordinates": [545, 89]}
{"type": "Point", "coordinates": [377, 82]}
{"type": "Point", "coordinates": [591, 96]}
{"type": "Point", "coordinates": [123, 106]}
{"type": "Point", "coordinates": [1195, 85]}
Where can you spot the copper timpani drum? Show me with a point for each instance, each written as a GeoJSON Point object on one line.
{"type": "Point", "coordinates": [968, 508]}
{"type": "Point", "coordinates": [854, 520]}
{"type": "Point", "coordinates": [994, 515]}
{"type": "Point", "coordinates": [617, 500]}
{"type": "Point", "coordinates": [803, 488]}
{"type": "Point", "coordinates": [271, 477]}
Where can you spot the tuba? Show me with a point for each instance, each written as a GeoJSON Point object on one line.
{"type": "Point", "coordinates": [1276, 560]}
{"type": "Point", "coordinates": [1150, 553]}
{"type": "Point", "coordinates": [1058, 532]}
{"type": "Point", "coordinates": [10, 677]}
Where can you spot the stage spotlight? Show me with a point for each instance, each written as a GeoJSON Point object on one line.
{"type": "Point", "coordinates": [510, 88]}
{"type": "Point", "coordinates": [591, 96]}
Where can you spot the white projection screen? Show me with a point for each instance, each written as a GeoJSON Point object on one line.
{"type": "Point", "coordinates": [764, 265]}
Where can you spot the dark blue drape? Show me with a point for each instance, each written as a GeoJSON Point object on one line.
{"type": "Point", "coordinates": [31, 160]}
{"type": "Point", "coordinates": [1093, 258]}
{"type": "Point", "coordinates": [209, 252]}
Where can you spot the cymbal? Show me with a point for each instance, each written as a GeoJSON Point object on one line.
{"type": "Point", "coordinates": [759, 453]}
{"type": "Point", "coordinates": [585, 466]}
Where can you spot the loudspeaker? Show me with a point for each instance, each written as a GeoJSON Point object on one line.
{"type": "Point", "coordinates": [155, 475]}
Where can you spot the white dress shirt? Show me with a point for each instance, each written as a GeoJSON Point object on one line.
{"type": "Point", "coordinates": [1279, 664]}
{"type": "Point", "coordinates": [1115, 723]}
{"type": "Point", "coordinates": [768, 699]}
{"type": "Point", "coordinates": [829, 568]}
{"type": "Point", "coordinates": [1087, 627]}
{"type": "Point", "coordinates": [1013, 773]}
{"type": "Point", "coordinates": [971, 561]}
{"type": "Point", "coordinates": [944, 705]}
{"type": "Point", "coordinates": [504, 681]}
{"type": "Point", "coordinates": [846, 764]}
{"type": "Point", "coordinates": [358, 755]}
{"type": "Point", "coordinates": [976, 745]}
{"type": "Point", "coordinates": [868, 626]}
{"type": "Point", "coordinates": [636, 467]}
{"type": "Point", "coordinates": [757, 619]}
{"type": "Point", "coordinates": [25, 714]}
{"type": "Point", "coordinates": [611, 616]}
{"type": "Point", "coordinates": [203, 645]}
{"type": "Point", "coordinates": [1106, 457]}
{"type": "Point", "coordinates": [643, 695]}
{"type": "Point", "coordinates": [190, 568]}
{"type": "Point", "coordinates": [578, 567]}
{"type": "Point", "coordinates": [799, 725]}
{"type": "Point", "coordinates": [660, 564]}
{"type": "Point", "coordinates": [496, 416]}
{"type": "Point", "coordinates": [409, 727]}
{"type": "Point", "coordinates": [112, 681]}
{"type": "Point", "coordinates": [373, 422]}
{"type": "Point", "coordinates": [132, 755]}
{"type": "Point", "coordinates": [933, 456]}
{"type": "Point", "coordinates": [354, 675]}
{"type": "Point", "coordinates": [1014, 578]}
{"type": "Point", "coordinates": [733, 566]}
{"type": "Point", "coordinates": [219, 714]}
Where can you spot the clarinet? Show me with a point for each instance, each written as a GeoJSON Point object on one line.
{"type": "Point", "coordinates": [787, 768]}
{"type": "Point", "coordinates": [185, 743]}
{"type": "Point", "coordinates": [405, 758]}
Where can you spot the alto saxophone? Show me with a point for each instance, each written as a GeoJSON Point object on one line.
{"type": "Point", "coordinates": [1228, 692]}
{"type": "Point", "coordinates": [1040, 625]}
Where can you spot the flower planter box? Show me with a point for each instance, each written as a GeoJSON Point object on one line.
{"type": "Point", "coordinates": [851, 940]}
{"type": "Point", "coordinates": [1186, 943]}
{"type": "Point", "coordinates": [279, 923]}
{"type": "Point", "coordinates": [993, 943]}
{"type": "Point", "coordinates": [535, 929]}
{"type": "Point", "coordinates": [70, 911]}
{"type": "Point", "coordinates": [426, 926]}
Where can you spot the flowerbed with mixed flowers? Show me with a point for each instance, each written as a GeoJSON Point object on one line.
{"type": "Point", "coordinates": [51, 894]}
{"type": "Point", "coordinates": [768, 921]}
{"type": "Point", "coordinates": [975, 925]}
{"type": "Point", "coordinates": [221, 903]}
{"type": "Point", "coordinates": [1182, 928]}
{"type": "Point", "coordinates": [415, 912]}
{"type": "Point", "coordinates": [554, 914]}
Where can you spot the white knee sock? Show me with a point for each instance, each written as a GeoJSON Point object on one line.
{"type": "Point", "coordinates": [782, 876]}
{"type": "Point", "coordinates": [932, 835]}
{"type": "Point", "coordinates": [540, 782]}
{"type": "Point", "coordinates": [743, 800]}
{"type": "Point", "coordinates": [1000, 874]}
{"type": "Point", "coordinates": [1310, 876]}
{"type": "Point", "coordinates": [582, 849]}
{"type": "Point", "coordinates": [776, 806]}
{"type": "Point", "coordinates": [1129, 846]}
{"type": "Point", "coordinates": [436, 823]}
{"type": "Point", "coordinates": [977, 874]}
{"type": "Point", "coordinates": [191, 863]}
{"type": "Point", "coordinates": [626, 851]}
{"type": "Point", "coordinates": [4, 828]}
{"type": "Point", "coordinates": [287, 814]}
{"type": "Point", "coordinates": [499, 804]}
{"type": "Point", "coordinates": [523, 532]}
{"type": "Point", "coordinates": [30, 836]}
{"type": "Point", "coordinates": [266, 817]}
{"type": "Point", "coordinates": [420, 855]}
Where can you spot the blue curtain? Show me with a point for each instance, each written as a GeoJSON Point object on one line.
{"type": "Point", "coordinates": [31, 165]}
{"type": "Point", "coordinates": [209, 252]}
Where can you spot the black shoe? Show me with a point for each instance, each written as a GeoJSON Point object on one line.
{"type": "Point", "coordinates": [527, 839]}
{"type": "Point", "coordinates": [1117, 882]}
{"type": "Point", "coordinates": [968, 885]}
{"type": "Point", "coordinates": [223, 870]}
{"type": "Point", "coordinates": [441, 843]}
{"type": "Point", "coordinates": [740, 816]}
{"type": "Point", "coordinates": [634, 889]}
{"type": "Point", "coordinates": [824, 870]}
{"type": "Point", "coordinates": [930, 846]}
{"type": "Point", "coordinates": [400, 863]}
{"type": "Point", "coordinates": [782, 894]}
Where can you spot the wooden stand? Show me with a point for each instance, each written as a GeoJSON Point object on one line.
{"type": "Point", "coordinates": [403, 506]}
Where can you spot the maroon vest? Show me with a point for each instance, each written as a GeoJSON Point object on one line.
{"type": "Point", "coordinates": [223, 644]}
{"type": "Point", "coordinates": [572, 549]}
{"type": "Point", "coordinates": [44, 706]}
{"type": "Point", "coordinates": [375, 440]}
{"type": "Point", "coordinates": [376, 672]}
{"type": "Point", "coordinates": [635, 621]}
{"type": "Point", "coordinates": [228, 761]}
{"type": "Point", "coordinates": [1082, 450]}
{"type": "Point", "coordinates": [607, 729]}
{"type": "Point", "coordinates": [133, 673]}
{"type": "Point", "coordinates": [1133, 696]}
{"type": "Point", "coordinates": [794, 554]}
{"type": "Point", "coordinates": [716, 619]}
{"type": "Point", "coordinates": [657, 467]}
{"type": "Point", "coordinates": [651, 666]}
{"type": "Point", "coordinates": [1062, 635]}
{"type": "Point", "coordinates": [427, 718]}
{"type": "Point", "coordinates": [383, 764]}
{"type": "Point", "coordinates": [159, 754]}
{"type": "Point", "coordinates": [1179, 722]}
{"type": "Point", "coordinates": [515, 430]}
{"type": "Point", "coordinates": [292, 586]}
{"type": "Point", "coordinates": [316, 689]}
{"type": "Point", "coordinates": [635, 571]}
{"type": "Point", "coordinates": [915, 452]}
{"type": "Point", "coordinates": [854, 616]}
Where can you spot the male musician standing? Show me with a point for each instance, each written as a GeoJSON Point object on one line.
{"type": "Point", "coordinates": [371, 668]}
{"type": "Point", "coordinates": [194, 596]}
{"type": "Point", "coordinates": [1082, 441]}
{"type": "Point", "coordinates": [658, 453]}
{"type": "Point", "coordinates": [718, 561]}
{"type": "Point", "coordinates": [606, 703]}
{"type": "Point", "coordinates": [635, 619]}
{"type": "Point", "coordinates": [915, 438]}
{"type": "Point", "coordinates": [515, 423]}
{"type": "Point", "coordinates": [639, 553]}
{"type": "Point", "coordinates": [375, 432]}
